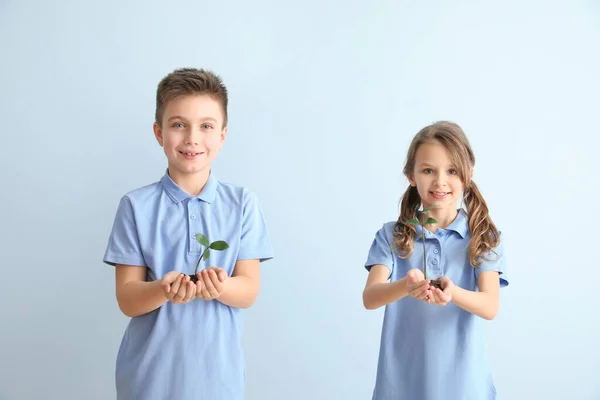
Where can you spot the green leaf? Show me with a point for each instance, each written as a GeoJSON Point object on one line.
{"type": "Point", "coordinates": [219, 245]}
{"type": "Point", "coordinates": [205, 254]}
{"type": "Point", "coordinates": [203, 240]}
{"type": "Point", "coordinates": [431, 221]}
{"type": "Point", "coordinates": [413, 221]}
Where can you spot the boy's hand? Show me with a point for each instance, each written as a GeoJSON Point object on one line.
{"type": "Point", "coordinates": [442, 297]}
{"type": "Point", "coordinates": [178, 288]}
{"type": "Point", "coordinates": [210, 283]}
{"type": "Point", "coordinates": [416, 285]}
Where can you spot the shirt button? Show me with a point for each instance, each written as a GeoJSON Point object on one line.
{"type": "Point", "coordinates": [434, 262]}
{"type": "Point", "coordinates": [435, 251]}
{"type": "Point", "coordinates": [193, 216]}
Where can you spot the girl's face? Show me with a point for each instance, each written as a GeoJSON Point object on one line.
{"type": "Point", "coordinates": [436, 177]}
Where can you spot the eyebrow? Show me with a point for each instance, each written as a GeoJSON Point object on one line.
{"type": "Point", "coordinates": [426, 164]}
{"type": "Point", "coordinates": [185, 119]}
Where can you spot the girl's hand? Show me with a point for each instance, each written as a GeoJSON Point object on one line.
{"type": "Point", "coordinates": [442, 297]}
{"type": "Point", "coordinates": [178, 287]}
{"type": "Point", "coordinates": [210, 283]}
{"type": "Point", "coordinates": [416, 285]}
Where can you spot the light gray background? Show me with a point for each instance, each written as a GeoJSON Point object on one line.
{"type": "Point", "coordinates": [325, 97]}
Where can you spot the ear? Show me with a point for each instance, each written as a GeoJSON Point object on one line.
{"type": "Point", "coordinates": [469, 176]}
{"type": "Point", "coordinates": [223, 135]}
{"type": "Point", "coordinates": [158, 134]}
{"type": "Point", "coordinates": [411, 180]}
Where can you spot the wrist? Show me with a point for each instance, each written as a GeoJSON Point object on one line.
{"type": "Point", "coordinates": [454, 292]}
{"type": "Point", "coordinates": [158, 286]}
{"type": "Point", "coordinates": [402, 287]}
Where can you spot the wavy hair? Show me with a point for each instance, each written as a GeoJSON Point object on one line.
{"type": "Point", "coordinates": [484, 234]}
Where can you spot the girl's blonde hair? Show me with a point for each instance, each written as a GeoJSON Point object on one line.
{"type": "Point", "coordinates": [484, 234]}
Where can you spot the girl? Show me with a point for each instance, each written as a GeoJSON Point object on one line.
{"type": "Point", "coordinates": [432, 342]}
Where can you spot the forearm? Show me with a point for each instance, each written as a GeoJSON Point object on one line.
{"type": "Point", "coordinates": [239, 291]}
{"type": "Point", "coordinates": [136, 298]}
{"type": "Point", "coordinates": [381, 294]}
{"type": "Point", "coordinates": [484, 305]}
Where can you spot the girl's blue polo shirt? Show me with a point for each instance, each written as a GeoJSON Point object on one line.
{"type": "Point", "coordinates": [430, 352]}
{"type": "Point", "coordinates": [193, 350]}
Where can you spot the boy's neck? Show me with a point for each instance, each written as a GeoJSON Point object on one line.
{"type": "Point", "coordinates": [190, 183]}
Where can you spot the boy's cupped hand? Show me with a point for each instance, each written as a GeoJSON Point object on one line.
{"type": "Point", "coordinates": [210, 283]}
{"type": "Point", "coordinates": [178, 288]}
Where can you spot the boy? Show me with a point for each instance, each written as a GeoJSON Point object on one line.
{"type": "Point", "coordinates": [183, 339]}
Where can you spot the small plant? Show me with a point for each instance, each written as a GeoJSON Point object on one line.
{"type": "Point", "coordinates": [217, 245]}
{"type": "Point", "coordinates": [430, 220]}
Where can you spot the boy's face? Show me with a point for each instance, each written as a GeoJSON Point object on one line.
{"type": "Point", "coordinates": [191, 135]}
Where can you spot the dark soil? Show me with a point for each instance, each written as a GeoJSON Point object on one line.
{"type": "Point", "coordinates": [193, 278]}
{"type": "Point", "coordinates": [436, 283]}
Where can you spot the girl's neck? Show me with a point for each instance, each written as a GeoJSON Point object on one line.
{"type": "Point", "coordinates": [443, 216]}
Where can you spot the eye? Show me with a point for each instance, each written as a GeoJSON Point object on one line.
{"type": "Point", "coordinates": [207, 126]}
{"type": "Point", "coordinates": [178, 125]}
{"type": "Point", "coordinates": [453, 172]}
{"type": "Point", "coordinates": [427, 171]}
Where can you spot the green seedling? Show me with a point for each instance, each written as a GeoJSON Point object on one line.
{"type": "Point", "coordinates": [217, 245]}
{"type": "Point", "coordinates": [430, 220]}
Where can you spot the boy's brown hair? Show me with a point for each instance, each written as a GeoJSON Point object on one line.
{"type": "Point", "coordinates": [190, 81]}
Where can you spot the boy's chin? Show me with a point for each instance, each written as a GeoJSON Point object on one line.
{"type": "Point", "coordinates": [189, 170]}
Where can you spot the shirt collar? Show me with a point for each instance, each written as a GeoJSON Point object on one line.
{"type": "Point", "coordinates": [460, 225]}
{"type": "Point", "coordinates": [177, 194]}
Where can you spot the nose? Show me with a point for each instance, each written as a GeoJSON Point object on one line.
{"type": "Point", "coordinates": [192, 136]}
{"type": "Point", "coordinates": [442, 179]}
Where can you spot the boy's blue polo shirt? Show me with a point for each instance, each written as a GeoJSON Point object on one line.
{"type": "Point", "coordinates": [431, 352]}
{"type": "Point", "coordinates": [193, 350]}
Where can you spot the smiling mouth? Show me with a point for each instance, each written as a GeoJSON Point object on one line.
{"type": "Point", "coordinates": [190, 154]}
{"type": "Point", "coordinates": [440, 195]}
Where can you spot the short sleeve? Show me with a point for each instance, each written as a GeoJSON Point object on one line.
{"type": "Point", "coordinates": [123, 244]}
{"type": "Point", "coordinates": [255, 242]}
{"type": "Point", "coordinates": [497, 263]}
{"type": "Point", "coordinates": [380, 251]}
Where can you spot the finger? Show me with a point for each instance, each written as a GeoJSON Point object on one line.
{"type": "Point", "coordinates": [190, 292]}
{"type": "Point", "coordinates": [171, 276]}
{"type": "Point", "coordinates": [216, 281]}
{"type": "Point", "coordinates": [440, 298]}
{"type": "Point", "coordinates": [428, 297]}
{"type": "Point", "coordinates": [205, 293]}
{"type": "Point", "coordinates": [182, 289]}
{"type": "Point", "coordinates": [446, 291]}
{"type": "Point", "coordinates": [424, 283]}
{"type": "Point", "coordinates": [176, 283]}
{"type": "Point", "coordinates": [419, 288]}
{"type": "Point", "coordinates": [443, 295]}
{"type": "Point", "coordinates": [199, 285]}
{"type": "Point", "coordinates": [221, 274]}
{"type": "Point", "coordinates": [208, 280]}
{"type": "Point", "coordinates": [420, 292]}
